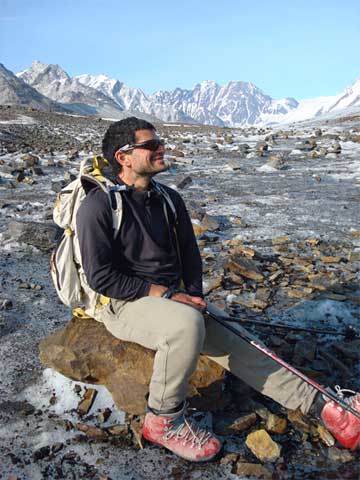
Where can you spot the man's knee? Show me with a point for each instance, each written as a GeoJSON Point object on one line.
{"type": "Point", "coordinates": [190, 326]}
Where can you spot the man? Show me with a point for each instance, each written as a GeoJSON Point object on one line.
{"type": "Point", "coordinates": [141, 271]}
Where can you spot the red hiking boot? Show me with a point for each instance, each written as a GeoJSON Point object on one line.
{"type": "Point", "coordinates": [181, 436]}
{"type": "Point", "coordinates": [343, 424]}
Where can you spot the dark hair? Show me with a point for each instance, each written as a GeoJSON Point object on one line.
{"type": "Point", "coordinates": [119, 134]}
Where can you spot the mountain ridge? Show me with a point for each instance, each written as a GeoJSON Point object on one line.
{"type": "Point", "coordinates": [236, 104]}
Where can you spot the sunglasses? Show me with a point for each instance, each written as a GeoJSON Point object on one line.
{"type": "Point", "coordinates": [152, 145]}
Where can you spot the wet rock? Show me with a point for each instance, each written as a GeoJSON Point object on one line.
{"type": "Point", "coordinates": [275, 424]}
{"type": "Point", "coordinates": [39, 235]}
{"type": "Point", "coordinates": [30, 159]}
{"type": "Point", "coordinates": [262, 446]}
{"type": "Point", "coordinates": [85, 351]}
{"type": "Point", "coordinates": [252, 470]}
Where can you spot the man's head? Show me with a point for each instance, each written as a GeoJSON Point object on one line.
{"type": "Point", "coordinates": [129, 142]}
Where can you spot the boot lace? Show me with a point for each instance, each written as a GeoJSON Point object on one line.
{"type": "Point", "coordinates": [183, 429]}
{"type": "Point", "coordinates": [353, 401]}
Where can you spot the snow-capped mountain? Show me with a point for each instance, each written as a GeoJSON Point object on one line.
{"type": "Point", "coordinates": [53, 82]}
{"type": "Point", "coordinates": [236, 104]}
{"type": "Point", "coordinates": [14, 91]}
{"type": "Point", "coordinates": [133, 99]}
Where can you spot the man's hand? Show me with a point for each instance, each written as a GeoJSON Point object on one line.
{"type": "Point", "coordinates": [195, 302]}
{"type": "Point", "coordinates": [157, 290]}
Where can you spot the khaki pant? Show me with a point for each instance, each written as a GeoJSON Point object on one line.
{"type": "Point", "coordinates": [179, 333]}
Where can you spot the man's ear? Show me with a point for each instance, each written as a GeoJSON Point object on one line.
{"type": "Point", "coordinates": [122, 159]}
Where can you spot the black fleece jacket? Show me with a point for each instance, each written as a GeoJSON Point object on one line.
{"type": "Point", "coordinates": [144, 250]}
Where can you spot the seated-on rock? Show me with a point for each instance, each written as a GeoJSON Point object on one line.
{"type": "Point", "coordinates": [86, 352]}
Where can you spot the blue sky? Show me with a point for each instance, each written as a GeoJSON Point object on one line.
{"type": "Point", "coordinates": [293, 48]}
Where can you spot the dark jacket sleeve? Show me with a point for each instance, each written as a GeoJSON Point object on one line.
{"type": "Point", "coordinates": [189, 251]}
{"type": "Point", "coordinates": [95, 232]}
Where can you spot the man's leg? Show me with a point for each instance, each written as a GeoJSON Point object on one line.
{"type": "Point", "coordinates": [174, 330]}
{"type": "Point", "coordinates": [256, 369]}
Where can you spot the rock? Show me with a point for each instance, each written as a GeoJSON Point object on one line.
{"type": "Point", "coordinates": [335, 148]}
{"type": "Point", "coordinates": [229, 459]}
{"type": "Point", "coordinates": [235, 164]}
{"type": "Point", "coordinates": [92, 432]}
{"type": "Point", "coordinates": [340, 456]}
{"type": "Point", "coordinates": [262, 446]}
{"type": "Point", "coordinates": [261, 147]}
{"type": "Point", "coordinates": [118, 430]}
{"type": "Point", "coordinates": [198, 228]}
{"type": "Point", "coordinates": [85, 351]}
{"type": "Point", "coordinates": [86, 402]}
{"type": "Point", "coordinates": [183, 182]}
{"type": "Point", "coordinates": [104, 415]}
{"type": "Point", "coordinates": [177, 153]}
{"type": "Point", "coordinates": [30, 159]}
{"type": "Point", "coordinates": [298, 421]}
{"type": "Point", "coordinates": [238, 425]}
{"type": "Point", "coordinates": [280, 240]}
{"type": "Point", "coordinates": [5, 304]}
{"type": "Point", "coordinates": [57, 185]}
{"type": "Point", "coordinates": [349, 349]}
{"type": "Point", "coordinates": [325, 436]}
{"type": "Point", "coordinates": [275, 161]}
{"type": "Point", "coordinates": [210, 223]}
{"type": "Point", "coordinates": [252, 470]}
{"type": "Point", "coordinates": [306, 145]}
{"type": "Point", "coordinates": [37, 171]}
{"type": "Point", "coordinates": [275, 424]}
{"type": "Point", "coordinates": [305, 350]}
{"type": "Point", "coordinates": [39, 235]}
{"type": "Point", "coordinates": [245, 267]}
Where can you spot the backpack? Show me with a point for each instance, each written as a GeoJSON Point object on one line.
{"type": "Point", "coordinates": [65, 263]}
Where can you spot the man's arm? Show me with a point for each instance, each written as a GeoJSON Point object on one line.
{"type": "Point", "coordinates": [95, 232]}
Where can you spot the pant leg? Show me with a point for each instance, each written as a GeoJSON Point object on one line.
{"type": "Point", "coordinates": [255, 368]}
{"type": "Point", "coordinates": [174, 330]}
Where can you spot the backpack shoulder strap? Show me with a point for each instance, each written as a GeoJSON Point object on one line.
{"type": "Point", "coordinates": [160, 189]}
{"type": "Point", "coordinates": [113, 193]}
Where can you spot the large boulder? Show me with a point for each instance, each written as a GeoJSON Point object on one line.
{"type": "Point", "coordinates": [85, 351]}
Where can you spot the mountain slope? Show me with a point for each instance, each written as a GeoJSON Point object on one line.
{"type": "Point", "coordinates": [14, 91]}
{"type": "Point", "coordinates": [53, 82]}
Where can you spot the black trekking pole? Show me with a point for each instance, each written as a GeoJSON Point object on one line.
{"type": "Point", "coordinates": [349, 332]}
{"type": "Point", "coordinates": [222, 318]}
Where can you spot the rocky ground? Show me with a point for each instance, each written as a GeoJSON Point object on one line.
{"type": "Point", "coordinates": [277, 220]}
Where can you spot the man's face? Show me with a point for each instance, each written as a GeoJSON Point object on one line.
{"type": "Point", "coordinates": [146, 162]}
